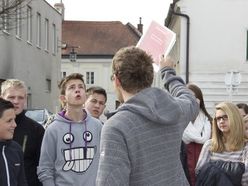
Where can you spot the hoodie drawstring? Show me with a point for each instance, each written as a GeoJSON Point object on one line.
{"type": "Point", "coordinates": [85, 140]}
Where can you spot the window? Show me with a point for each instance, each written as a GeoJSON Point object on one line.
{"type": "Point", "coordinates": [29, 24]}
{"type": "Point", "coordinates": [247, 45]}
{"type": "Point", "coordinates": [5, 15]}
{"type": "Point", "coordinates": [63, 74]}
{"type": "Point", "coordinates": [38, 29]}
{"type": "Point", "coordinates": [29, 100]}
{"type": "Point", "coordinates": [48, 85]}
{"type": "Point", "coordinates": [54, 39]}
{"type": "Point", "coordinates": [90, 78]}
{"type": "Point", "coordinates": [46, 34]}
{"type": "Point", "coordinates": [18, 21]}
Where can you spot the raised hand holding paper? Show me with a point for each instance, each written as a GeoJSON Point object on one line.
{"type": "Point", "coordinates": [158, 40]}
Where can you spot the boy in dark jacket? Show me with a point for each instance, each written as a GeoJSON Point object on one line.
{"type": "Point", "coordinates": [28, 133]}
{"type": "Point", "coordinates": [11, 156]}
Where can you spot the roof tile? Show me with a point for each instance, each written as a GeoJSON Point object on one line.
{"type": "Point", "coordinates": [98, 38]}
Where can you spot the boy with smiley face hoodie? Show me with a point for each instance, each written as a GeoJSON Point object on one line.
{"type": "Point", "coordinates": [70, 148]}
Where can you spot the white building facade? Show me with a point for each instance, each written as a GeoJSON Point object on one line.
{"type": "Point", "coordinates": [96, 71]}
{"type": "Point", "coordinates": [31, 52]}
{"type": "Point", "coordinates": [212, 40]}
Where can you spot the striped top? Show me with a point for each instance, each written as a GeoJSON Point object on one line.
{"type": "Point", "coordinates": [235, 156]}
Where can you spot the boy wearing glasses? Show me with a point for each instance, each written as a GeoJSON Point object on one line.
{"type": "Point", "coordinates": [140, 144]}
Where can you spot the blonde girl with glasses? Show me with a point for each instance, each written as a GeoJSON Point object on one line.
{"type": "Point", "coordinates": [224, 158]}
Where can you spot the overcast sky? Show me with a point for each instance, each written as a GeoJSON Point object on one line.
{"type": "Point", "coordinates": [116, 10]}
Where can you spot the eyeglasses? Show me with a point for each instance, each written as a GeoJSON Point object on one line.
{"type": "Point", "coordinates": [112, 77]}
{"type": "Point", "coordinates": [219, 118]}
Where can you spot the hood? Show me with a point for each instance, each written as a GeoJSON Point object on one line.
{"type": "Point", "coordinates": [154, 104]}
{"type": "Point", "coordinates": [61, 118]}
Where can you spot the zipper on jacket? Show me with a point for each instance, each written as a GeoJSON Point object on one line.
{"type": "Point", "coordinates": [24, 143]}
{"type": "Point", "coordinates": [6, 165]}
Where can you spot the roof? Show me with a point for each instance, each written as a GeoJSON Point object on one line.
{"type": "Point", "coordinates": [169, 14]}
{"type": "Point", "coordinates": [97, 37]}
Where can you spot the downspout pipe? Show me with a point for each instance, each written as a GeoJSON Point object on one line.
{"type": "Point", "coordinates": [187, 42]}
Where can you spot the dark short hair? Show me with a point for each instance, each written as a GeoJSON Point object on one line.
{"type": "Point", "coordinates": [133, 67]}
{"type": "Point", "coordinates": [243, 106]}
{"type": "Point", "coordinates": [5, 105]}
{"type": "Point", "coordinates": [73, 76]}
{"type": "Point", "coordinates": [98, 90]}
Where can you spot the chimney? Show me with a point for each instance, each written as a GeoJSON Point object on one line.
{"type": "Point", "coordinates": [140, 26]}
{"type": "Point", "coordinates": [60, 8]}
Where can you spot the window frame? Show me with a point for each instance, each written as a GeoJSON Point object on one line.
{"type": "Point", "coordinates": [29, 24]}
{"type": "Point", "coordinates": [18, 21]}
{"type": "Point", "coordinates": [90, 78]}
{"type": "Point", "coordinates": [4, 16]}
{"type": "Point", "coordinates": [46, 34]}
{"type": "Point", "coordinates": [54, 40]}
{"type": "Point", "coordinates": [38, 29]}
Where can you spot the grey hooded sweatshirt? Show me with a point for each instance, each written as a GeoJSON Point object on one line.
{"type": "Point", "coordinates": [70, 152]}
{"type": "Point", "coordinates": [140, 144]}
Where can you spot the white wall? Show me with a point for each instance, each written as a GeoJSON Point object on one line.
{"type": "Point", "coordinates": [102, 70]}
{"type": "Point", "coordinates": [218, 41]}
{"type": "Point", "coordinates": [217, 34]}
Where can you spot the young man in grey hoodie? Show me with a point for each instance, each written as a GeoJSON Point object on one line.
{"type": "Point", "coordinates": [140, 144]}
{"type": "Point", "coordinates": [70, 148]}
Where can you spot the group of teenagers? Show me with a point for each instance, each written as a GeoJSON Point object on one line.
{"type": "Point", "coordinates": [157, 136]}
{"type": "Point", "coordinates": [27, 134]}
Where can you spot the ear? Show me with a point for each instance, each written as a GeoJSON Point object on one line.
{"type": "Point", "coordinates": [62, 98]}
{"type": "Point", "coordinates": [117, 81]}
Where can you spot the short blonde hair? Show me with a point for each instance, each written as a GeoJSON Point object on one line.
{"type": "Point", "coordinates": [12, 83]}
{"type": "Point", "coordinates": [236, 124]}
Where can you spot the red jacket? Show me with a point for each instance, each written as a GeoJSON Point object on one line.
{"type": "Point", "coordinates": [193, 151]}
